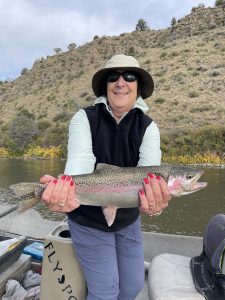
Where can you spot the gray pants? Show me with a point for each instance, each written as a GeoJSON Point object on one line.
{"type": "Point", "coordinates": [112, 262]}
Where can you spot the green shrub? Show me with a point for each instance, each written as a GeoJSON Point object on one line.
{"type": "Point", "coordinates": [62, 117]}
{"type": "Point", "coordinates": [23, 130]}
{"type": "Point", "coordinates": [161, 72]}
{"type": "Point", "coordinates": [215, 73]}
{"type": "Point", "coordinates": [44, 124]}
{"type": "Point", "coordinates": [159, 100]}
{"type": "Point", "coordinates": [203, 140]}
{"type": "Point", "coordinates": [192, 94]}
{"type": "Point", "coordinates": [163, 55]}
{"type": "Point", "coordinates": [83, 94]}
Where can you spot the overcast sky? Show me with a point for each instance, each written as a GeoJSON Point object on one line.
{"type": "Point", "coordinates": [31, 29]}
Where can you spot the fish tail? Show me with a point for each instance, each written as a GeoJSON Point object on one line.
{"type": "Point", "coordinates": [26, 204]}
{"type": "Point", "coordinates": [23, 190]}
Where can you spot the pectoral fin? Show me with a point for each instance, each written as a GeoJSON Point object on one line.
{"type": "Point", "coordinates": [110, 214]}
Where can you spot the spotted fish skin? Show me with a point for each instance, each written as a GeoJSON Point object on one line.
{"type": "Point", "coordinates": [115, 186]}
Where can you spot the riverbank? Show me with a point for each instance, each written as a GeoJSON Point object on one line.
{"type": "Point", "coordinates": [208, 160]}
{"type": "Point", "coordinates": [205, 159]}
{"type": "Point", "coordinates": [53, 152]}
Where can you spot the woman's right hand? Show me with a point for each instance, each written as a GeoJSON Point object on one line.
{"type": "Point", "coordinates": [59, 195]}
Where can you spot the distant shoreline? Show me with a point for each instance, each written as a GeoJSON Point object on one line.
{"type": "Point", "coordinates": [205, 165]}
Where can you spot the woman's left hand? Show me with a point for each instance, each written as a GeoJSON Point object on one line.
{"type": "Point", "coordinates": [154, 196]}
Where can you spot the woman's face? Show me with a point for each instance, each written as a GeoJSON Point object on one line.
{"type": "Point", "coordinates": [121, 93]}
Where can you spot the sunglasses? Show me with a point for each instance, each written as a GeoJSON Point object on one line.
{"type": "Point", "coordinates": [127, 76]}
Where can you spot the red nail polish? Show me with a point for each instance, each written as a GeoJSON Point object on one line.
{"type": "Point", "coordinates": [63, 177]}
{"type": "Point", "coordinates": [55, 180]}
{"type": "Point", "coordinates": [146, 180]}
{"type": "Point", "coordinates": [158, 177]}
{"type": "Point", "coordinates": [151, 175]}
{"type": "Point", "coordinates": [141, 191]}
{"type": "Point", "coordinates": [68, 178]}
{"type": "Point", "coordinates": [71, 183]}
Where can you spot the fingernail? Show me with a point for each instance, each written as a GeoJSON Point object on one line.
{"type": "Point", "coordinates": [158, 177]}
{"type": "Point", "coordinates": [141, 191]}
{"type": "Point", "coordinates": [71, 183]}
{"type": "Point", "coordinates": [146, 180]}
{"type": "Point", "coordinates": [68, 178]}
{"type": "Point", "coordinates": [55, 180]}
{"type": "Point", "coordinates": [63, 177]}
{"type": "Point", "coordinates": [151, 175]}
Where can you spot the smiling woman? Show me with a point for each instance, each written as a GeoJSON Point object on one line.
{"type": "Point", "coordinates": [116, 131]}
{"type": "Point", "coordinates": [122, 93]}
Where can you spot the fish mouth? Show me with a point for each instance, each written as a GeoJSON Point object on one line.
{"type": "Point", "coordinates": [194, 185]}
{"type": "Point", "coordinates": [186, 184]}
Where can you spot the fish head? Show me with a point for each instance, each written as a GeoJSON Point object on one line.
{"type": "Point", "coordinates": [185, 181]}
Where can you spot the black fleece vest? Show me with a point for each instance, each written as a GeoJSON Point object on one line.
{"type": "Point", "coordinates": [115, 144]}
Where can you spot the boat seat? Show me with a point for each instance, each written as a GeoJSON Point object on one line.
{"type": "Point", "coordinates": [169, 278]}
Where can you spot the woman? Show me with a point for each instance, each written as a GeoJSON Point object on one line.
{"type": "Point", "coordinates": [115, 131]}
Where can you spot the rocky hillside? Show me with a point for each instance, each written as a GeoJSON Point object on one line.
{"type": "Point", "coordinates": [187, 63]}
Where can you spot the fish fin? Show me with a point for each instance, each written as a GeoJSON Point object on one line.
{"type": "Point", "coordinates": [102, 166]}
{"type": "Point", "coordinates": [110, 214]}
{"type": "Point", "coordinates": [26, 204]}
{"type": "Point", "coordinates": [23, 188]}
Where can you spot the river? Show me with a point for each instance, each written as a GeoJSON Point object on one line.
{"type": "Point", "coordinates": [186, 215]}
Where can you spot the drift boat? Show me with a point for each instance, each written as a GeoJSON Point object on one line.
{"type": "Point", "coordinates": [167, 266]}
{"type": "Point", "coordinates": [167, 261]}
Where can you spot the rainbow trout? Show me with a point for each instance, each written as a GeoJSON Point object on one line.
{"type": "Point", "coordinates": [111, 186]}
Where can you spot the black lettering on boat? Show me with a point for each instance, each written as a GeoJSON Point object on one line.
{"type": "Point", "coordinates": [61, 279]}
{"type": "Point", "coordinates": [56, 268]}
{"type": "Point", "coordinates": [66, 289]}
{"type": "Point", "coordinates": [48, 246]}
{"type": "Point", "coordinates": [50, 256]}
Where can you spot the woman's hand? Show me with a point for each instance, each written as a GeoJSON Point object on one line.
{"type": "Point", "coordinates": [154, 196]}
{"type": "Point", "coordinates": [59, 195]}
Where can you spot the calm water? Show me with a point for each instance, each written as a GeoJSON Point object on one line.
{"type": "Point", "coordinates": [186, 215]}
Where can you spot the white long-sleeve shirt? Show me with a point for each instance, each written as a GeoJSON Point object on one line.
{"type": "Point", "coordinates": [81, 159]}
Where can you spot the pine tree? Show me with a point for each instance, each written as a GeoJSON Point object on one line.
{"type": "Point", "coordinates": [220, 3]}
{"type": "Point", "coordinates": [173, 22]}
{"type": "Point", "coordinates": [142, 25]}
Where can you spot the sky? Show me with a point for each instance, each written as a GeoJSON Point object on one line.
{"type": "Point", "coordinates": [31, 29]}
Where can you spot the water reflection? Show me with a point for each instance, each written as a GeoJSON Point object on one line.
{"type": "Point", "coordinates": [19, 170]}
{"type": "Point", "coordinates": [190, 214]}
{"type": "Point", "coordinates": [186, 215]}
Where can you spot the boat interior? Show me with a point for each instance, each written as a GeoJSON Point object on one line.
{"type": "Point", "coordinates": [167, 263]}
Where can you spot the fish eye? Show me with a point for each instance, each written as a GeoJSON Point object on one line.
{"type": "Point", "coordinates": [189, 176]}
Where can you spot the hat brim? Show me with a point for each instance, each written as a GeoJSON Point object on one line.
{"type": "Point", "coordinates": [144, 79]}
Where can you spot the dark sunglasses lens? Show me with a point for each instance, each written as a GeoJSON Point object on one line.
{"type": "Point", "coordinates": [113, 77]}
{"type": "Point", "coordinates": [129, 77]}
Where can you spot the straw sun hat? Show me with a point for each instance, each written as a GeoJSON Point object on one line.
{"type": "Point", "coordinates": [123, 62]}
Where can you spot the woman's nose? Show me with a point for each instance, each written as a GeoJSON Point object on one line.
{"type": "Point", "coordinates": [120, 81]}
